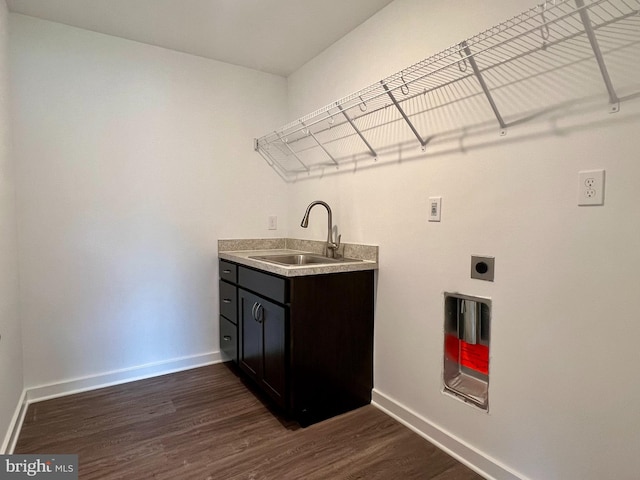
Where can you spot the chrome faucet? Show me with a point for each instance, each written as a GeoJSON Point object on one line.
{"type": "Point", "coordinates": [331, 247]}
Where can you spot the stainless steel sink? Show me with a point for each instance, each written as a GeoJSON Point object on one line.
{"type": "Point", "coordinates": [302, 259]}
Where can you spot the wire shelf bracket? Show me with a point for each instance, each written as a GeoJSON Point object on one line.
{"type": "Point", "coordinates": [310, 133]}
{"type": "Point", "coordinates": [595, 46]}
{"type": "Point", "coordinates": [474, 66]}
{"type": "Point", "coordinates": [353, 125]}
{"type": "Point", "coordinates": [403, 114]}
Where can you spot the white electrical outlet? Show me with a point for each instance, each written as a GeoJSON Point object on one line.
{"type": "Point", "coordinates": [591, 187]}
{"type": "Point", "coordinates": [272, 222]}
{"type": "Point", "coordinates": [435, 204]}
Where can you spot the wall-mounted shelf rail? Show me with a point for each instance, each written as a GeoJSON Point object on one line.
{"type": "Point", "coordinates": [554, 53]}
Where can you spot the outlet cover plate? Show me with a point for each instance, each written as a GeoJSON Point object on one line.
{"type": "Point", "coordinates": [591, 187]}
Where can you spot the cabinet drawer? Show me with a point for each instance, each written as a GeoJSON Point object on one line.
{"type": "Point", "coordinates": [229, 339]}
{"type": "Point", "coordinates": [268, 286]}
{"type": "Point", "coordinates": [229, 301]}
{"type": "Point", "coordinates": [228, 271]}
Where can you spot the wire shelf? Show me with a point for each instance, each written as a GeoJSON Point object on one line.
{"type": "Point", "coordinates": [551, 54]}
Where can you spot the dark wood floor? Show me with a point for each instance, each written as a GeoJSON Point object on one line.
{"type": "Point", "coordinates": [205, 424]}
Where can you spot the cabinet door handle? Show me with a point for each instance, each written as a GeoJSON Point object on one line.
{"type": "Point", "coordinates": [253, 310]}
{"type": "Point", "coordinates": [259, 313]}
{"type": "Point", "coordinates": [226, 338]}
{"type": "Point", "coordinates": [226, 300]}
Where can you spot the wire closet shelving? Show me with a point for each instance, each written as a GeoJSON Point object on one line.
{"type": "Point", "coordinates": [491, 77]}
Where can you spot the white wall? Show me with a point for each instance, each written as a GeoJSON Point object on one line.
{"type": "Point", "coordinates": [565, 323]}
{"type": "Point", "coordinates": [132, 161]}
{"type": "Point", "coordinates": [10, 335]}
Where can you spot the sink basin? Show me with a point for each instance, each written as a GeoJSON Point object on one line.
{"type": "Point", "coordinates": [302, 259]}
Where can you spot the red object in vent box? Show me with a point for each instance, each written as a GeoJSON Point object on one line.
{"type": "Point", "coordinates": [473, 356]}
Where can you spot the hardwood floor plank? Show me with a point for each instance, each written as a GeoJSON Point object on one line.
{"type": "Point", "coordinates": [208, 424]}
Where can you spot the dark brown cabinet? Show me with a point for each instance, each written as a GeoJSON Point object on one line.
{"type": "Point", "coordinates": [263, 344]}
{"type": "Point", "coordinates": [306, 341]}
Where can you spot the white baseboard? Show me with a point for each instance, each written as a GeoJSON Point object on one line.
{"type": "Point", "coordinates": [15, 426]}
{"type": "Point", "coordinates": [461, 451]}
{"type": "Point", "coordinates": [484, 465]}
{"type": "Point", "coordinates": [115, 377]}
{"type": "Point", "coordinates": [92, 382]}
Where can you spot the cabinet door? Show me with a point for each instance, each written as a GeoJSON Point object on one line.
{"type": "Point", "coordinates": [273, 318]}
{"type": "Point", "coordinates": [250, 335]}
{"type": "Point", "coordinates": [263, 343]}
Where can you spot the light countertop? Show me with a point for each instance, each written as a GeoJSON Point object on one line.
{"type": "Point", "coordinates": [366, 256]}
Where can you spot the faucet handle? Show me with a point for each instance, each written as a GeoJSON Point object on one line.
{"type": "Point", "coordinates": [332, 248]}
{"type": "Point", "coordinates": [335, 247]}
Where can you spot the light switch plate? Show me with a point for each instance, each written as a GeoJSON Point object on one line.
{"type": "Point", "coordinates": [273, 222]}
{"type": "Point", "coordinates": [435, 206]}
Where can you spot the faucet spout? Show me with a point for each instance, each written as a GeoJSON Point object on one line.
{"type": "Point", "coordinates": [331, 247]}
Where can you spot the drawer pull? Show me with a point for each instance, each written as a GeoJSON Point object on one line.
{"type": "Point", "coordinates": [226, 271]}
{"type": "Point", "coordinates": [226, 300]}
{"type": "Point", "coordinates": [227, 338]}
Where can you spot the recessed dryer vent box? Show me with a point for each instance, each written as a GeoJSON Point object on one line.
{"type": "Point", "coordinates": [467, 325]}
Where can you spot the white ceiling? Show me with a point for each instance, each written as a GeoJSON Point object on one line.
{"type": "Point", "coordinates": [276, 36]}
